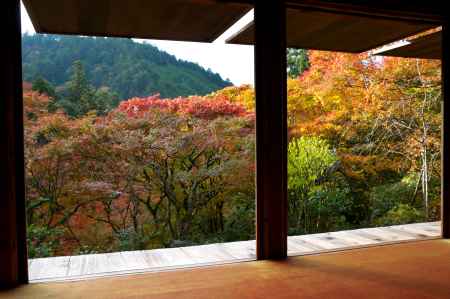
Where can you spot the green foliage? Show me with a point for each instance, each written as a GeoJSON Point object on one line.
{"type": "Point", "coordinates": [308, 160]}
{"type": "Point", "coordinates": [79, 97]}
{"type": "Point", "coordinates": [128, 68]}
{"type": "Point", "coordinates": [386, 197]}
{"type": "Point", "coordinates": [297, 62]}
{"type": "Point", "coordinates": [240, 222]}
{"type": "Point", "coordinates": [42, 241]}
{"type": "Point", "coordinates": [190, 175]}
{"type": "Point", "coordinates": [104, 100]}
{"type": "Point", "coordinates": [130, 239]}
{"type": "Point", "coordinates": [87, 249]}
{"type": "Point", "coordinates": [43, 87]}
{"type": "Point", "coordinates": [400, 214]}
{"type": "Point", "coordinates": [328, 207]}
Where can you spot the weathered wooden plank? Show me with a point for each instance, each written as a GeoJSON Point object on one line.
{"type": "Point", "coordinates": [75, 265]}
{"type": "Point", "coordinates": [433, 224]}
{"type": "Point", "coordinates": [116, 262]}
{"type": "Point", "coordinates": [207, 253]}
{"type": "Point", "coordinates": [369, 235]}
{"type": "Point", "coordinates": [332, 239]}
{"type": "Point", "coordinates": [384, 235]}
{"type": "Point", "coordinates": [306, 243]}
{"type": "Point", "coordinates": [319, 241]}
{"type": "Point", "coordinates": [241, 250]}
{"type": "Point", "coordinates": [295, 248]}
{"type": "Point", "coordinates": [98, 265]}
{"type": "Point", "coordinates": [353, 239]}
{"type": "Point", "coordinates": [36, 268]}
{"type": "Point", "coordinates": [167, 257]}
{"type": "Point", "coordinates": [58, 267]}
{"type": "Point", "coordinates": [412, 233]}
{"type": "Point", "coordinates": [420, 230]}
{"type": "Point", "coordinates": [135, 259]}
{"type": "Point", "coordinates": [433, 228]}
{"type": "Point", "coordinates": [402, 233]}
{"type": "Point", "coordinates": [224, 250]}
{"type": "Point", "coordinates": [52, 267]}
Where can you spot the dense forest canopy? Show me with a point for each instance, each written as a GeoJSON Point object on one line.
{"type": "Point", "coordinates": [126, 67]}
{"type": "Point", "coordinates": [364, 151]}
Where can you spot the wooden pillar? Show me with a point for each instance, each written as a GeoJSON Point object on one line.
{"type": "Point", "coordinates": [445, 151]}
{"type": "Point", "coordinates": [13, 255]}
{"type": "Point", "coordinates": [271, 129]}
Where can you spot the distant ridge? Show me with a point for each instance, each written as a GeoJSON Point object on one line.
{"type": "Point", "coordinates": [127, 67]}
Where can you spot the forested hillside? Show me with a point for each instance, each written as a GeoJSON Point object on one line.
{"type": "Point", "coordinates": [364, 151]}
{"type": "Point", "coordinates": [126, 67]}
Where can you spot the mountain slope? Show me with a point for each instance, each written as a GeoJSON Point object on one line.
{"type": "Point", "coordinates": [128, 68]}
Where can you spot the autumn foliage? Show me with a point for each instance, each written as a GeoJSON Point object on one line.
{"type": "Point", "coordinates": [200, 107]}
{"type": "Point", "coordinates": [153, 172]}
{"type": "Point", "coordinates": [142, 176]}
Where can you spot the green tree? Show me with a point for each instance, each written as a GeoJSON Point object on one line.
{"type": "Point", "coordinates": [80, 97]}
{"type": "Point", "coordinates": [310, 160]}
{"type": "Point", "coordinates": [43, 87]}
{"type": "Point", "coordinates": [105, 100]}
{"type": "Point", "coordinates": [297, 62]}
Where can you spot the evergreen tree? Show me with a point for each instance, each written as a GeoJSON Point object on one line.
{"type": "Point", "coordinates": [79, 95]}
{"type": "Point", "coordinates": [297, 62]}
{"type": "Point", "coordinates": [43, 87]}
{"type": "Point", "coordinates": [105, 100]}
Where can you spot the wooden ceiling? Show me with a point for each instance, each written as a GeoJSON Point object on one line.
{"type": "Point", "coordinates": [184, 20]}
{"type": "Point", "coordinates": [430, 10]}
{"type": "Point", "coordinates": [324, 30]}
{"type": "Point", "coordinates": [426, 47]}
{"type": "Point", "coordinates": [347, 26]}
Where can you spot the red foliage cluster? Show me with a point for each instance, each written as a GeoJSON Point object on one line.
{"type": "Point", "coordinates": [26, 86]}
{"type": "Point", "coordinates": [35, 104]}
{"type": "Point", "coordinates": [201, 107]}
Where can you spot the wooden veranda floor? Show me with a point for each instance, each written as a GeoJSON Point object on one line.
{"type": "Point", "coordinates": [413, 270]}
{"type": "Point", "coordinates": [110, 264]}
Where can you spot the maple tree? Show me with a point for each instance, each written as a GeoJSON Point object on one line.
{"type": "Point", "coordinates": [151, 173]}
{"type": "Point", "coordinates": [383, 118]}
{"type": "Point", "coordinates": [156, 172]}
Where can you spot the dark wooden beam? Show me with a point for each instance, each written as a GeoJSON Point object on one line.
{"type": "Point", "coordinates": [425, 47]}
{"type": "Point", "coordinates": [13, 254]}
{"type": "Point", "coordinates": [415, 10]}
{"type": "Point", "coordinates": [445, 151]}
{"type": "Point", "coordinates": [271, 129]}
{"type": "Point", "coordinates": [338, 32]}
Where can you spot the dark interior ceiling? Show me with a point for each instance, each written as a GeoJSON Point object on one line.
{"type": "Point", "coordinates": [346, 26]}
{"type": "Point", "coordinates": [426, 47]}
{"type": "Point", "coordinates": [431, 10]}
{"type": "Point", "coordinates": [320, 30]}
{"type": "Point", "coordinates": [183, 20]}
